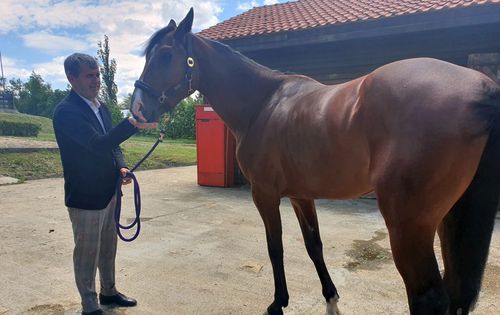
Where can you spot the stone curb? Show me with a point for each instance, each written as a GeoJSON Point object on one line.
{"type": "Point", "coordinates": [5, 180]}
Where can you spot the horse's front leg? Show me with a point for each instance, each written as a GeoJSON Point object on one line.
{"type": "Point", "coordinates": [308, 220]}
{"type": "Point", "coordinates": [267, 203]}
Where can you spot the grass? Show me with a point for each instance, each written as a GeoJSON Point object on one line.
{"type": "Point", "coordinates": [45, 164]}
{"type": "Point", "coordinates": [32, 165]}
{"type": "Point", "coordinates": [168, 153]}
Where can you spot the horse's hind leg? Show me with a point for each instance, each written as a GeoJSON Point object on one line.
{"type": "Point", "coordinates": [413, 253]}
{"type": "Point", "coordinates": [306, 214]}
{"type": "Point", "coordinates": [412, 228]}
{"type": "Point", "coordinates": [465, 235]}
{"type": "Point", "coordinates": [268, 205]}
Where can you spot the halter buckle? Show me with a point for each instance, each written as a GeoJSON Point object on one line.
{"type": "Point", "coordinates": [190, 62]}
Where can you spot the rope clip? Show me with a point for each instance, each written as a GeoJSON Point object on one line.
{"type": "Point", "coordinates": [162, 135]}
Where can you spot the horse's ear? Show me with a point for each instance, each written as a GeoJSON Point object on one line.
{"type": "Point", "coordinates": [184, 26]}
{"type": "Point", "coordinates": [172, 24]}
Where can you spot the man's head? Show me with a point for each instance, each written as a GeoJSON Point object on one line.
{"type": "Point", "coordinates": [83, 74]}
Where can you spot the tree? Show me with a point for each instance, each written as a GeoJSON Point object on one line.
{"type": "Point", "coordinates": [108, 87]}
{"type": "Point", "coordinates": [36, 97]}
{"type": "Point", "coordinates": [125, 104]}
{"type": "Point", "coordinates": [15, 86]}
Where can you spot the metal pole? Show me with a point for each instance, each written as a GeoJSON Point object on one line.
{"type": "Point", "coordinates": [1, 66]}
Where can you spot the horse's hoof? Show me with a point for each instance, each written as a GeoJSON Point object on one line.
{"type": "Point", "coordinates": [332, 307]}
{"type": "Point", "coordinates": [270, 311]}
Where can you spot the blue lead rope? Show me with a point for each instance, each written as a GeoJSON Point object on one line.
{"type": "Point", "coordinates": [137, 197]}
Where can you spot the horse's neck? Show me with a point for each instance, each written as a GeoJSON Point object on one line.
{"type": "Point", "coordinates": [236, 87]}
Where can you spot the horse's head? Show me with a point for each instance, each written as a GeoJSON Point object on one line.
{"type": "Point", "coordinates": [167, 75]}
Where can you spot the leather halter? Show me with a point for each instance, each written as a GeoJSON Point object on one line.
{"type": "Point", "coordinates": [164, 95]}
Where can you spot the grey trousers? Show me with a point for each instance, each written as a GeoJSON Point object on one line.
{"type": "Point", "coordinates": [94, 232]}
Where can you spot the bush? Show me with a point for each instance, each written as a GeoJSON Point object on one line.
{"type": "Point", "coordinates": [181, 123]}
{"type": "Point", "coordinates": [178, 123]}
{"type": "Point", "coordinates": [21, 129]}
{"type": "Point", "coordinates": [46, 131]}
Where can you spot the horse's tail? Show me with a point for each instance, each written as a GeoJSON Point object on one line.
{"type": "Point", "coordinates": [467, 229]}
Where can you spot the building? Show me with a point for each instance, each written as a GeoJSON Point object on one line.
{"type": "Point", "coordinates": [334, 41]}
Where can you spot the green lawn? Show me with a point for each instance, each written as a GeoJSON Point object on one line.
{"type": "Point", "coordinates": [33, 165]}
{"type": "Point", "coordinates": [43, 164]}
{"type": "Point", "coordinates": [168, 153]}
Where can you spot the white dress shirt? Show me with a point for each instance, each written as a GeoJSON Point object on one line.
{"type": "Point", "coordinates": [94, 105]}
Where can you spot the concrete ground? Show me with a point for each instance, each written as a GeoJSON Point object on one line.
{"type": "Point", "coordinates": [202, 251]}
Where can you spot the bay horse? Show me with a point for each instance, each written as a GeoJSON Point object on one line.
{"type": "Point", "coordinates": [422, 134]}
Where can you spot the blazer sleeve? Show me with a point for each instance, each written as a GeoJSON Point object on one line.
{"type": "Point", "coordinates": [71, 124]}
{"type": "Point", "coordinates": [117, 151]}
{"type": "Point", "coordinates": [119, 158]}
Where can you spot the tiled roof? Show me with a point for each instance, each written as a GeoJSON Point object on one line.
{"type": "Point", "coordinates": [304, 14]}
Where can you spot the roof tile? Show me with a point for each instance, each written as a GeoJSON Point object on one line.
{"type": "Point", "coordinates": [302, 14]}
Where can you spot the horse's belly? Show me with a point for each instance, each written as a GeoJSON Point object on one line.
{"type": "Point", "coordinates": [342, 181]}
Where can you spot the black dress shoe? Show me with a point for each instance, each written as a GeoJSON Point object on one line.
{"type": "Point", "coordinates": [96, 312]}
{"type": "Point", "coordinates": [118, 299]}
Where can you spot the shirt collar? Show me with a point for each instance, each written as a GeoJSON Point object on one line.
{"type": "Point", "coordinates": [94, 106]}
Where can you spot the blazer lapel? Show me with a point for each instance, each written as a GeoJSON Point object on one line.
{"type": "Point", "coordinates": [88, 112]}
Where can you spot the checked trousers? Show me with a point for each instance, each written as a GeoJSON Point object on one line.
{"type": "Point", "coordinates": [94, 233]}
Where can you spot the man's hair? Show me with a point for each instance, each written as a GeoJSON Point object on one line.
{"type": "Point", "coordinates": [73, 63]}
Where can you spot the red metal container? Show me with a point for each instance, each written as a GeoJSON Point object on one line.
{"type": "Point", "coordinates": [214, 149]}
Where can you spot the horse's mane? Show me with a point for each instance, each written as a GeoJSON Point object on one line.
{"type": "Point", "coordinates": [156, 37]}
{"type": "Point", "coordinates": [225, 49]}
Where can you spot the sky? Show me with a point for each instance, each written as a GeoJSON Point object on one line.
{"type": "Point", "coordinates": [37, 35]}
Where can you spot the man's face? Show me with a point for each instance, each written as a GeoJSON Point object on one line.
{"type": "Point", "coordinates": [87, 83]}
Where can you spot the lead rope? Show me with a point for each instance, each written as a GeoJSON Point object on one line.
{"type": "Point", "coordinates": [137, 197]}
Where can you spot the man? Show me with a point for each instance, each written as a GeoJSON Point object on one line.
{"type": "Point", "coordinates": [92, 163]}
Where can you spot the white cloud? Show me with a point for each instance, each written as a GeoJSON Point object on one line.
{"type": "Point", "coordinates": [207, 14]}
{"type": "Point", "coordinates": [245, 6]}
{"type": "Point", "coordinates": [14, 68]}
{"type": "Point", "coordinates": [129, 68]}
{"type": "Point", "coordinates": [105, 16]}
{"type": "Point", "coordinates": [53, 44]}
{"type": "Point", "coordinates": [52, 72]}
{"type": "Point", "coordinates": [270, 2]}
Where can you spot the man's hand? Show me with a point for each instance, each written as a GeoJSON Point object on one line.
{"type": "Point", "coordinates": [123, 173]}
{"type": "Point", "coordinates": [142, 125]}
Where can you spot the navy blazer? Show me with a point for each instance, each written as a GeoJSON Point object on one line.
{"type": "Point", "coordinates": [91, 158]}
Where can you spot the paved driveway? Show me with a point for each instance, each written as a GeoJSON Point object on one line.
{"type": "Point", "coordinates": [202, 251]}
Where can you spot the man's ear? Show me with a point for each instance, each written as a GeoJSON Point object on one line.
{"type": "Point", "coordinates": [70, 78]}
{"type": "Point", "coordinates": [184, 26]}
